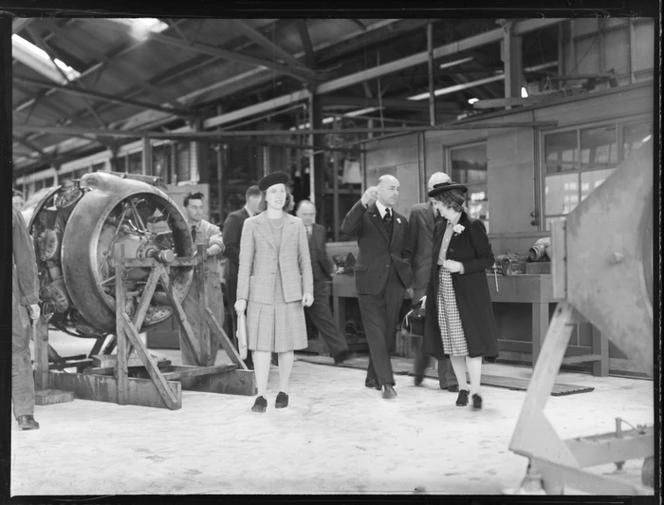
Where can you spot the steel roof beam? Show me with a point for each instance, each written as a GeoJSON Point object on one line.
{"type": "Point", "coordinates": [305, 38]}
{"type": "Point", "coordinates": [45, 47]}
{"type": "Point", "coordinates": [134, 77]}
{"type": "Point", "coordinates": [100, 96]}
{"type": "Point", "coordinates": [227, 54]}
{"type": "Point", "coordinates": [266, 43]}
{"type": "Point", "coordinates": [19, 23]}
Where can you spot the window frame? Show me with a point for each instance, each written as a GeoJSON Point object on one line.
{"type": "Point", "coordinates": [618, 124]}
{"type": "Point", "coordinates": [447, 157]}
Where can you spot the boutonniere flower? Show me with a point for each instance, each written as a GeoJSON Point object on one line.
{"type": "Point", "coordinates": [398, 220]}
{"type": "Point", "coordinates": [458, 228]}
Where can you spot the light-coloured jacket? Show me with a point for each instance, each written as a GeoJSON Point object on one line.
{"type": "Point", "coordinates": [260, 259]}
{"type": "Point", "coordinates": [210, 234]}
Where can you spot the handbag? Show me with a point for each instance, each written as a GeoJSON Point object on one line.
{"type": "Point", "coordinates": [241, 334]}
{"type": "Point", "coordinates": [413, 321]}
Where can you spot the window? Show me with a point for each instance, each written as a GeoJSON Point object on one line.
{"type": "Point", "coordinates": [468, 165]}
{"type": "Point", "coordinates": [577, 161]}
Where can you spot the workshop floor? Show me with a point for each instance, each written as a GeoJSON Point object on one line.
{"type": "Point", "coordinates": [335, 437]}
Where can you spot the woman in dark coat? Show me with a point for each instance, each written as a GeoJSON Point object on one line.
{"type": "Point", "coordinates": [459, 317]}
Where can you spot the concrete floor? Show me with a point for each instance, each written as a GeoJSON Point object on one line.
{"type": "Point", "coordinates": [335, 437]}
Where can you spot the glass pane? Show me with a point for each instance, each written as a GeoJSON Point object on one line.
{"type": "Point", "coordinates": [634, 135]}
{"type": "Point", "coordinates": [560, 152]}
{"type": "Point", "coordinates": [561, 193]}
{"type": "Point", "coordinates": [599, 148]}
{"type": "Point", "coordinates": [469, 164]}
{"type": "Point", "coordinates": [477, 203]}
{"type": "Point", "coordinates": [590, 180]}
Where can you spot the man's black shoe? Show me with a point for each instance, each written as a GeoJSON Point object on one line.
{"type": "Point", "coordinates": [389, 392]}
{"type": "Point", "coordinates": [372, 383]}
{"type": "Point", "coordinates": [27, 422]}
{"type": "Point", "coordinates": [341, 357]}
{"type": "Point", "coordinates": [452, 389]}
{"type": "Point", "coordinates": [418, 379]}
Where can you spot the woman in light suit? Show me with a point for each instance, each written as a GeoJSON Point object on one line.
{"type": "Point", "coordinates": [275, 283]}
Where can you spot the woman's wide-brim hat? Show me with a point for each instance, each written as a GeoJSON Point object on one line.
{"type": "Point", "coordinates": [272, 179]}
{"type": "Point", "coordinates": [446, 186]}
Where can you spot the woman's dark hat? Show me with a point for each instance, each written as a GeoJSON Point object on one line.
{"type": "Point", "coordinates": [272, 179]}
{"type": "Point", "coordinates": [446, 186]}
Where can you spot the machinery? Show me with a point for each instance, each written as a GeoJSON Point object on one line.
{"type": "Point", "coordinates": [76, 229]}
{"type": "Point", "coordinates": [115, 255]}
{"type": "Point", "coordinates": [602, 271]}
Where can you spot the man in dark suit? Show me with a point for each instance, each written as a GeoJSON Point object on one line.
{"type": "Point", "coordinates": [382, 274]}
{"type": "Point", "coordinates": [420, 227]}
{"type": "Point", "coordinates": [232, 232]}
{"type": "Point", "coordinates": [319, 313]}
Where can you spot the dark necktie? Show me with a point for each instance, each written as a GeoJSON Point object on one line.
{"type": "Point", "coordinates": [193, 234]}
{"type": "Point", "coordinates": [387, 219]}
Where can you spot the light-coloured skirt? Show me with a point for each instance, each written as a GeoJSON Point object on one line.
{"type": "Point", "coordinates": [276, 327]}
{"type": "Point", "coordinates": [449, 321]}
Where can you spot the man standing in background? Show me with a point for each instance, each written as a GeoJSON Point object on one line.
{"type": "Point", "coordinates": [231, 235]}
{"type": "Point", "coordinates": [420, 227]}
{"type": "Point", "coordinates": [319, 313]}
{"type": "Point", "coordinates": [25, 298]}
{"type": "Point", "coordinates": [203, 232]}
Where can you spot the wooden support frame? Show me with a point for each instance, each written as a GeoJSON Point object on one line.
{"type": "Point", "coordinates": [562, 462]}
{"type": "Point", "coordinates": [162, 387]}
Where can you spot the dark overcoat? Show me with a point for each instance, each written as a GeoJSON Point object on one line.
{"type": "Point", "coordinates": [471, 247]}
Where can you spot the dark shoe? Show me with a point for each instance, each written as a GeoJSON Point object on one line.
{"type": "Point", "coordinates": [372, 383]}
{"type": "Point", "coordinates": [418, 379]}
{"type": "Point", "coordinates": [27, 423]}
{"type": "Point", "coordinates": [281, 401]}
{"type": "Point", "coordinates": [477, 402]}
{"type": "Point", "coordinates": [259, 405]}
{"type": "Point", "coordinates": [389, 392]}
{"type": "Point", "coordinates": [451, 389]}
{"type": "Point", "coordinates": [341, 357]}
{"type": "Point", "coordinates": [462, 399]}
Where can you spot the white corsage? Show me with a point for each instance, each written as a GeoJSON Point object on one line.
{"type": "Point", "coordinates": [458, 228]}
{"type": "Point", "coordinates": [398, 220]}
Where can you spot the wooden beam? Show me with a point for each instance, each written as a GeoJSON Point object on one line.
{"type": "Point", "coordinates": [185, 372]}
{"type": "Point", "coordinates": [188, 331]}
{"type": "Point", "coordinates": [150, 364]}
{"type": "Point", "coordinates": [102, 388]}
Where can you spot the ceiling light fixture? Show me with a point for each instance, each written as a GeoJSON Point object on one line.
{"type": "Point", "coordinates": [454, 63]}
